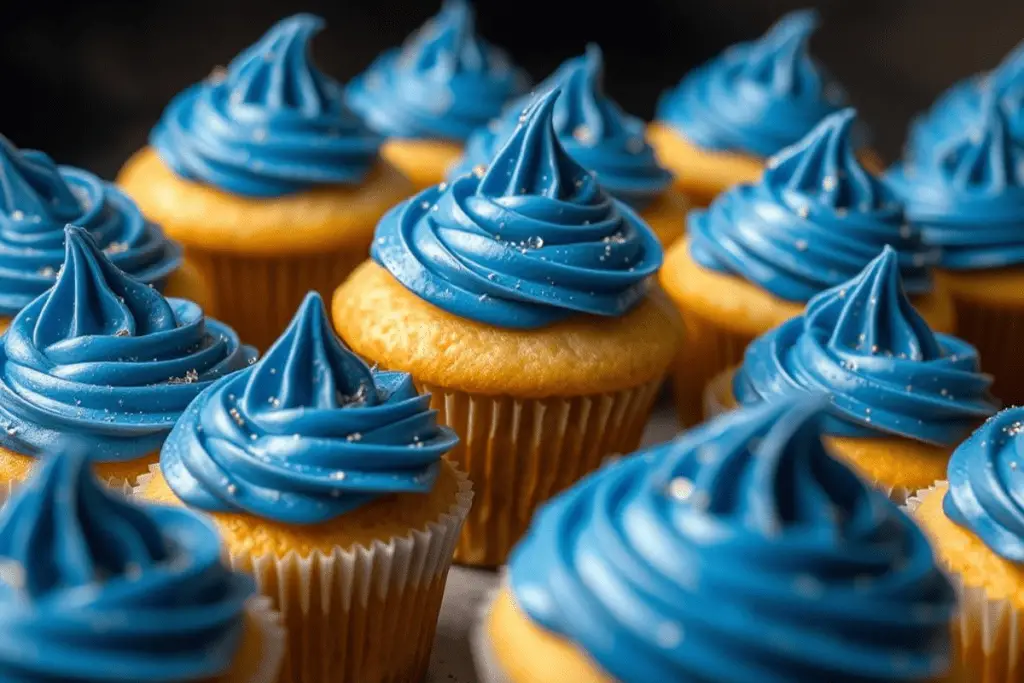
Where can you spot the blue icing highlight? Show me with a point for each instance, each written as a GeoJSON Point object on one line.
{"type": "Point", "coordinates": [885, 369]}
{"type": "Point", "coordinates": [38, 198]}
{"type": "Point", "coordinates": [445, 82]}
{"type": "Point", "coordinates": [815, 219]}
{"type": "Point", "coordinates": [968, 194]}
{"type": "Point", "coordinates": [591, 127]}
{"type": "Point", "coordinates": [99, 589]}
{"type": "Point", "coordinates": [306, 434]}
{"type": "Point", "coordinates": [758, 97]}
{"type": "Point", "coordinates": [107, 358]}
{"type": "Point", "coordinates": [654, 565]}
{"type": "Point", "coordinates": [986, 495]}
{"type": "Point", "coordinates": [272, 124]}
{"type": "Point", "coordinates": [531, 242]}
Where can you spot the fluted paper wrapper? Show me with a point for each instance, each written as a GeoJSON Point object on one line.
{"type": "Point", "coordinates": [987, 635]}
{"type": "Point", "coordinates": [521, 452]}
{"type": "Point", "coordinates": [709, 350]}
{"type": "Point", "coordinates": [995, 331]}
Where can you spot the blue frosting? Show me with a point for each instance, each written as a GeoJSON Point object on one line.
{"type": "Point", "coordinates": [96, 589]}
{"type": "Point", "coordinates": [38, 198]}
{"type": "Point", "coordinates": [968, 193]}
{"type": "Point", "coordinates": [593, 130]}
{"type": "Point", "coordinates": [306, 434]}
{"type": "Point", "coordinates": [739, 552]}
{"type": "Point", "coordinates": [986, 485]}
{"type": "Point", "coordinates": [815, 219]}
{"type": "Point", "coordinates": [758, 97]}
{"type": "Point", "coordinates": [107, 358]}
{"type": "Point", "coordinates": [445, 82]}
{"type": "Point", "coordinates": [270, 125]}
{"type": "Point", "coordinates": [532, 241]}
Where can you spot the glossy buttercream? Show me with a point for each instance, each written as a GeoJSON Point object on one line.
{"type": "Point", "coordinates": [815, 219]}
{"type": "Point", "coordinates": [531, 241]}
{"type": "Point", "coordinates": [444, 83]}
{"type": "Point", "coordinates": [887, 372]}
{"type": "Point", "coordinates": [38, 198]}
{"type": "Point", "coordinates": [306, 434]}
{"type": "Point", "coordinates": [106, 358]}
{"type": "Point", "coordinates": [96, 589]}
{"type": "Point", "coordinates": [270, 124]}
{"type": "Point", "coordinates": [591, 127]}
{"type": "Point", "coordinates": [758, 97]}
{"type": "Point", "coordinates": [739, 552]}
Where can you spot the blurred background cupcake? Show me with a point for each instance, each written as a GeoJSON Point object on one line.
{"type": "Point", "coordinates": [601, 137]}
{"type": "Point", "coordinates": [429, 95]}
{"type": "Point", "coordinates": [38, 198]}
{"type": "Point", "coordinates": [94, 588]}
{"type": "Point", "coordinates": [518, 298]}
{"type": "Point", "coordinates": [327, 481]}
{"type": "Point", "coordinates": [106, 359]}
{"type": "Point", "coordinates": [269, 181]}
{"type": "Point", "coordinates": [976, 521]}
{"type": "Point", "coordinates": [760, 252]}
{"type": "Point", "coordinates": [902, 396]}
{"type": "Point", "coordinates": [650, 569]}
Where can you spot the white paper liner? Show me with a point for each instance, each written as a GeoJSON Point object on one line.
{"type": "Point", "coordinates": [334, 634]}
{"type": "Point", "coordinates": [272, 641]}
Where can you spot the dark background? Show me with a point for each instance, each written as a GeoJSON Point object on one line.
{"type": "Point", "coordinates": [85, 80]}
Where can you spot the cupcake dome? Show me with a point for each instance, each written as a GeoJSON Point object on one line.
{"type": "Point", "coordinates": [646, 566]}
{"type": "Point", "coordinates": [887, 372]}
{"type": "Point", "coordinates": [97, 589]}
{"type": "Point", "coordinates": [531, 241]}
{"type": "Point", "coordinates": [270, 124]}
{"type": "Point", "coordinates": [591, 128]}
{"type": "Point", "coordinates": [757, 97]}
{"type": "Point", "coordinates": [106, 358]}
{"type": "Point", "coordinates": [38, 198]}
{"type": "Point", "coordinates": [444, 83]}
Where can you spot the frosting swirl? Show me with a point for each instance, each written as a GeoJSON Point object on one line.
{"type": "Point", "coordinates": [271, 124]}
{"type": "Point", "coordinates": [306, 434]}
{"type": "Point", "coordinates": [968, 194]}
{"type": "Point", "coordinates": [107, 358]}
{"type": "Point", "coordinates": [445, 82]}
{"type": "Point", "coordinates": [985, 494]}
{"type": "Point", "coordinates": [38, 198]}
{"type": "Point", "coordinates": [531, 242]}
{"type": "Point", "coordinates": [646, 565]}
{"type": "Point", "coordinates": [885, 369]}
{"type": "Point", "coordinates": [815, 219]}
{"type": "Point", "coordinates": [98, 589]}
{"type": "Point", "coordinates": [591, 127]}
{"type": "Point", "coordinates": [757, 97]}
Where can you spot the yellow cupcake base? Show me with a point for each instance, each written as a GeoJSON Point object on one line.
{"type": "Point", "coordinates": [666, 216]}
{"type": "Point", "coordinates": [424, 162]}
{"type": "Point", "coordinates": [16, 468]}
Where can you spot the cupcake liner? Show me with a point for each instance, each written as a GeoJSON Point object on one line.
{"type": "Point", "coordinates": [521, 452]}
{"type": "Point", "coordinates": [363, 615]}
{"type": "Point", "coordinates": [709, 350]}
{"type": "Point", "coordinates": [258, 295]}
{"type": "Point", "coordinates": [488, 670]}
{"type": "Point", "coordinates": [993, 331]}
{"type": "Point", "coordinates": [271, 646]}
{"type": "Point", "coordinates": [987, 635]}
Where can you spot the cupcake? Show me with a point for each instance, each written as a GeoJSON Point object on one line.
{"type": "Point", "coordinates": [739, 552]}
{"type": "Point", "coordinates": [38, 198]}
{"type": "Point", "coordinates": [270, 182]}
{"type": "Point", "coordinates": [601, 138]}
{"type": "Point", "coordinates": [327, 481]}
{"type": "Point", "coordinates": [429, 95]}
{"type": "Point", "coordinates": [719, 125]}
{"type": "Point", "coordinates": [107, 359]}
{"type": "Point", "coordinates": [97, 589]}
{"type": "Point", "coordinates": [758, 254]}
{"type": "Point", "coordinates": [518, 298]}
{"type": "Point", "coordinates": [967, 195]}
{"type": "Point", "coordinates": [976, 521]}
{"type": "Point", "coordinates": [903, 397]}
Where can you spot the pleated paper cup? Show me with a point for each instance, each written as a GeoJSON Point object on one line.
{"type": "Point", "coordinates": [995, 331]}
{"type": "Point", "coordinates": [987, 634]}
{"type": "Point", "coordinates": [521, 452]}
{"type": "Point", "coordinates": [362, 614]}
{"type": "Point", "coordinates": [262, 650]}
